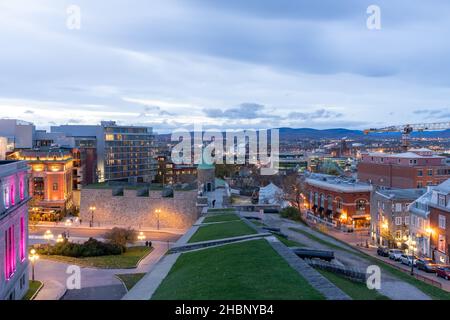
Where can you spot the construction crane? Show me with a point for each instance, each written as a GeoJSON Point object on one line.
{"type": "Point", "coordinates": [407, 129]}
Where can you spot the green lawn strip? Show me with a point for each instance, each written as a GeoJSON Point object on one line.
{"type": "Point", "coordinates": [356, 290]}
{"type": "Point", "coordinates": [127, 260]}
{"type": "Point", "coordinates": [33, 289]}
{"type": "Point", "coordinates": [246, 270]}
{"type": "Point", "coordinates": [130, 279]}
{"type": "Point", "coordinates": [290, 243]}
{"type": "Point", "coordinates": [432, 291]}
{"type": "Point", "coordinates": [221, 217]}
{"type": "Point", "coordinates": [221, 230]}
{"type": "Point", "coordinates": [221, 209]}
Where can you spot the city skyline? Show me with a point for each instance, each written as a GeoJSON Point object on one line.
{"type": "Point", "coordinates": [225, 65]}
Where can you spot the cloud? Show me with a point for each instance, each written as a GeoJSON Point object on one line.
{"type": "Point", "coordinates": [243, 111]}
{"type": "Point", "coordinates": [433, 113]}
{"type": "Point", "coordinates": [318, 114]}
{"type": "Point", "coordinates": [29, 112]}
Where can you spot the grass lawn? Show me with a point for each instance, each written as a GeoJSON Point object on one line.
{"type": "Point", "coordinates": [124, 261]}
{"type": "Point", "coordinates": [34, 287]}
{"type": "Point", "coordinates": [221, 230]}
{"type": "Point", "coordinates": [246, 270]}
{"type": "Point", "coordinates": [221, 210]}
{"type": "Point", "coordinates": [221, 217]}
{"type": "Point", "coordinates": [432, 291]}
{"type": "Point", "coordinates": [290, 243]}
{"type": "Point", "coordinates": [356, 290]}
{"type": "Point", "coordinates": [130, 279]}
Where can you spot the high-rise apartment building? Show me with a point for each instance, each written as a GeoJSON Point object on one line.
{"type": "Point", "coordinates": [123, 153]}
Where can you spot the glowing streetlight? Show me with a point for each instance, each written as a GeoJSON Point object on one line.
{"type": "Point", "coordinates": [48, 235]}
{"type": "Point", "coordinates": [59, 238]}
{"type": "Point", "coordinates": [92, 209]}
{"type": "Point", "coordinates": [33, 256]}
{"type": "Point", "coordinates": [141, 236]}
{"type": "Point", "coordinates": [68, 224]}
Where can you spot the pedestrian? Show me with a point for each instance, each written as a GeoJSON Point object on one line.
{"type": "Point", "coordinates": [214, 203]}
{"type": "Point", "coordinates": [150, 244]}
{"type": "Point", "coordinates": [80, 222]}
{"type": "Point", "coordinates": [146, 243]}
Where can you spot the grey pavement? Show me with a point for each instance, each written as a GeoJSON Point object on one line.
{"type": "Point", "coordinates": [93, 281]}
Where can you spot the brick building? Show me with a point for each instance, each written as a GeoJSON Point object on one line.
{"type": "Point", "coordinates": [416, 168]}
{"type": "Point", "coordinates": [340, 201]}
{"type": "Point", "coordinates": [13, 230]}
{"type": "Point", "coordinates": [440, 222]}
{"type": "Point", "coordinates": [171, 173]}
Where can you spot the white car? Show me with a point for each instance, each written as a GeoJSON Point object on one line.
{"type": "Point", "coordinates": [408, 259]}
{"type": "Point", "coordinates": [395, 254]}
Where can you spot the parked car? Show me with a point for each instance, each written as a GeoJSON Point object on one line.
{"type": "Point", "coordinates": [395, 254]}
{"type": "Point", "coordinates": [426, 264]}
{"type": "Point", "coordinates": [408, 259]}
{"type": "Point", "coordinates": [443, 271]}
{"type": "Point", "coordinates": [383, 251]}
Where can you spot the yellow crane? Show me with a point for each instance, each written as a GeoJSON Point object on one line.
{"type": "Point", "coordinates": [407, 129]}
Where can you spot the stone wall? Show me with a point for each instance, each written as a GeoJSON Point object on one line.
{"type": "Point", "coordinates": [129, 210]}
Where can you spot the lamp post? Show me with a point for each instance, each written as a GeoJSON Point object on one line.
{"type": "Point", "coordinates": [141, 236]}
{"type": "Point", "coordinates": [413, 249]}
{"type": "Point", "coordinates": [48, 235]}
{"type": "Point", "coordinates": [33, 257]}
{"type": "Point", "coordinates": [92, 209]}
{"type": "Point", "coordinates": [59, 238]}
{"type": "Point", "coordinates": [157, 211]}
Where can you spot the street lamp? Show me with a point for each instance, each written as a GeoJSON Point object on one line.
{"type": "Point", "coordinates": [48, 235]}
{"type": "Point", "coordinates": [33, 257]}
{"type": "Point", "coordinates": [59, 238]}
{"type": "Point", "coordinates": [92, 209]}
{"type": "Point", "coordinates": [413, 249]}
{"type": "Point", "coordinates": [141, 236]}
{"type": "Point", "coordinates": [157, 211]}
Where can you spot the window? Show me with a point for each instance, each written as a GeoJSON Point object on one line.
{"type": "Point", "coordinates": [23, 244]}
{"type": "Point", "coordinates": [21, 189]}
{"type": "Point", "coordinates": [322, 200]}
{"type": "Point", "coordinates": [442, 221]}
{"type": "Point", "coordinates": [398, 234]}
{"type": "Point", "coordinates": [430, 172]}
{"type": "Point", "coordinates": [330, 202]}
{"type": "Point", "coordinates": [398, 207]}
{"type": "Point", "coordinates": [339, 203]}
{"type": "Point", "coordinates": [407, 220]}
{"type": "Point", "coordinates": [419, 173]}
{"type": "Point", "coordinates": [441, 243]}
{"type": "Point", "coordinates": [10, 253]}
{"type": "Point", "coordinates": [12, 195]}
{"type": "Point", "coordinates": [361, 205]}
{"type": "Point", "coordinates": [441, 200]}
{"type": "Point", "coordinates": [55, 187]}
{"type": "Point", "coordinates": [6, 197]}
{"type": "Point", "coordinates": [419, 184]}
{"type": "Point", "coordinates": [398, 221]}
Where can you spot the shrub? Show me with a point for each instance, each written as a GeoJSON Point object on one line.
{"type": "Point", "coordinates": [90, 248]}
{"type": "Point", "coordinates": [121, 237]}
{"type": "Point", "coordinates": [291, 213]}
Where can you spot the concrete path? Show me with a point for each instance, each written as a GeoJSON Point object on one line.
{"type": "Point", "coordinates": [96, 284]}
{"type": "Point", "coordinates": [391, 286]}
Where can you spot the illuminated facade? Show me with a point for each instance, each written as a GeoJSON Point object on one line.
{"type": "Point", "coordinates": [51, 178]}
{"type": "Point", "coordinates": [13, 230]}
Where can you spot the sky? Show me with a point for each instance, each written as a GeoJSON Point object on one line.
{"type": "Point", "coordinates": [225, 64]}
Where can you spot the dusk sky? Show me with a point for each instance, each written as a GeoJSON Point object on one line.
{"type": "Point", "coordinates": [227, 64]}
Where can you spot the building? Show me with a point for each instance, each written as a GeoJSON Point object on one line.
{"type": "Point", "coordinates": [20, 134]}
{"type": "Point", "coordinates": [414, 169]}
{"type": "Point", "coordinates": [13, 230]}
{"type": "Point", "coordinates": [390, 217]}
{"type": "Point", "coordinates": [439, 206]}
{"type": "Point", "coordinates": [337, 200]}
{"type": "Point", "coordinates": [123, 153]}
{"type": "Point", "coordinates": [50, 178]}
{"type": "Point", "coordinates": [171, 173]}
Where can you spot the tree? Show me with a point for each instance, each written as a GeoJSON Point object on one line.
{"type": "Point", "coordinates": [121, 237]}
{"type": "Point", "coordinates": [293, 186]}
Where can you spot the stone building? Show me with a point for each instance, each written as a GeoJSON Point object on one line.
{"type": "Point", "coordinates": [206, 177]}
{"type": "Point", "coordinates": [13, 230]}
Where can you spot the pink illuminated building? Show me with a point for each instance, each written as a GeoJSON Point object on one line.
{"type": "Point", "coordinates": [13, 229]}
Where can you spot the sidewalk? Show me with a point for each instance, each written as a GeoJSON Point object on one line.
{"type": "Point", "coordinates": [86, 226]}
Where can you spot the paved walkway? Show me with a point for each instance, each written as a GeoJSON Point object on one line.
{"type": "Point", "coordinates": [96, 284]}
{"type": "Point", "coordinates": [315, 279]}
{"type": "Point", "coordinates": [391, 286]}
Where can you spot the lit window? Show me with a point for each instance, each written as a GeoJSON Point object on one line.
{"type": "Point", "coordinates": [442, 221]}
{"type": "Point", "coordinates": [55, 187]}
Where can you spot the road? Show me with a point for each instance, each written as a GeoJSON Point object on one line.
{"type": "Point", "coordinates": [82, 232]}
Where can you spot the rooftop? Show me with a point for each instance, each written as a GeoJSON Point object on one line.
{"type": "Point", "coordinates": [402, 194]}
{"type": "Point", "coordinates": [341, 184]}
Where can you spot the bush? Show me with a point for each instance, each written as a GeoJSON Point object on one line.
{"type": "Point", "coordinates": [90, 248]}
{"type": "Point", "coordinates": [291, 213]}
{"type": "Point", "coordinates": [121, 237]}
